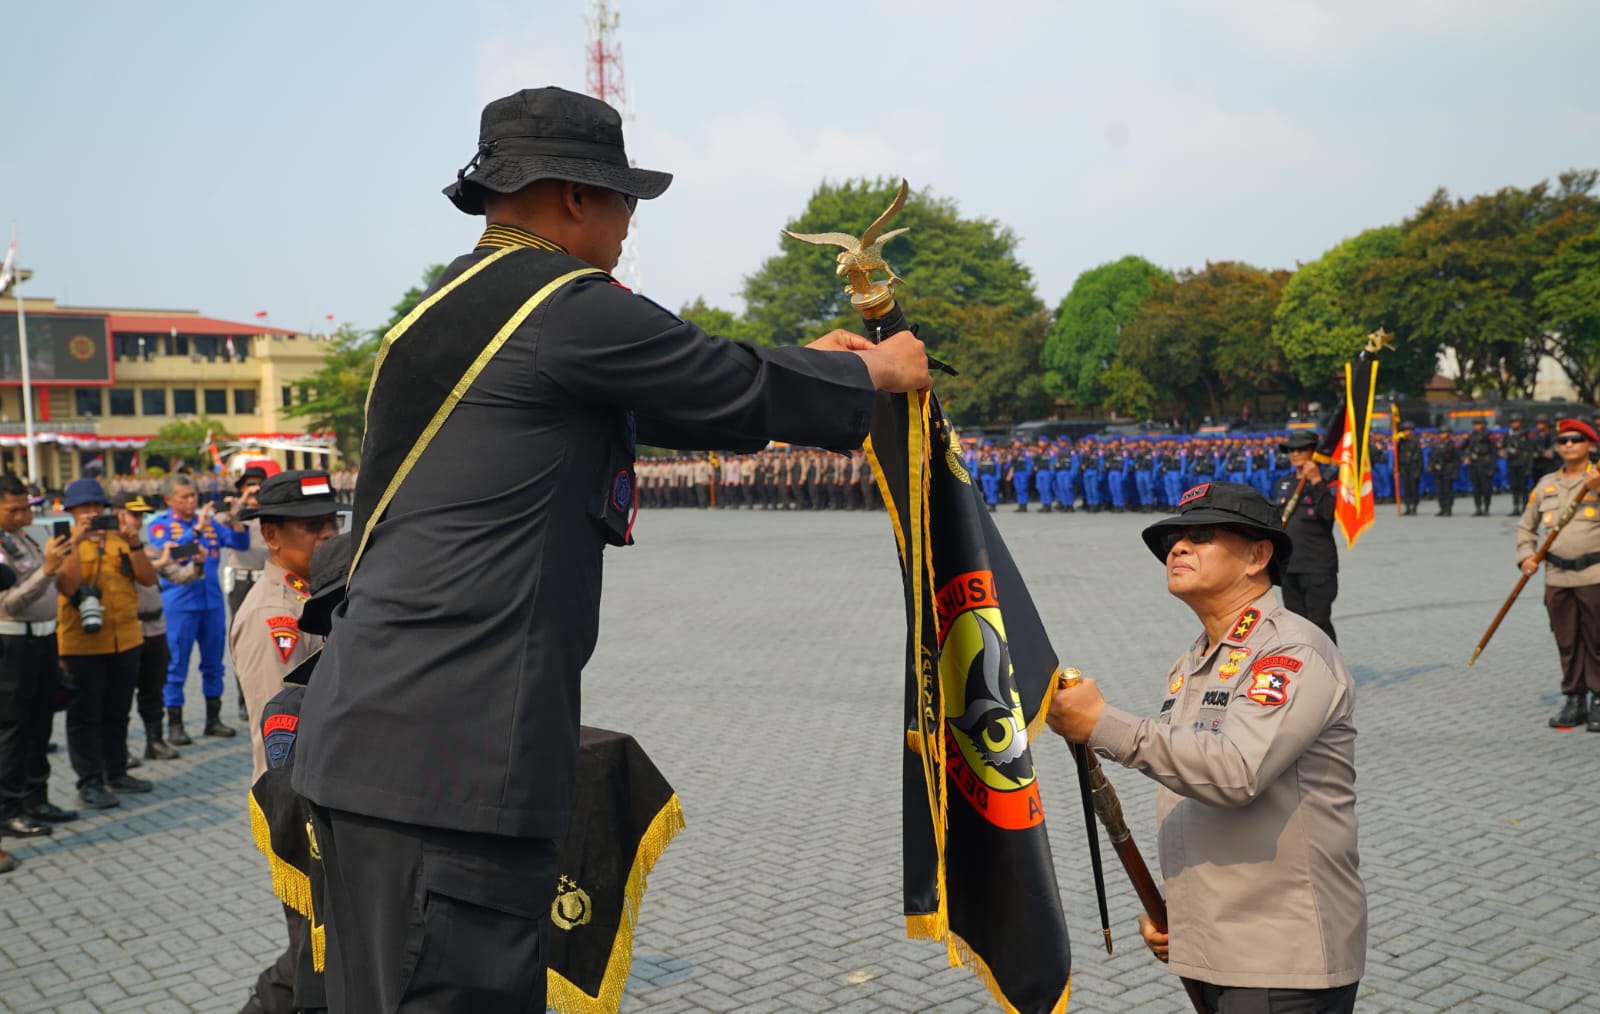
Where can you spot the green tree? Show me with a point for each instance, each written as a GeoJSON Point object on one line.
{"type": "Point", "coordinates": [1567, 297]}
{"type": "Point", "coordinates": [1202, 342]}
{"type": "Point", "coordinates": [186, 439]}
{"type": "Point", "coordinates": [999, 376]}
{"type": "Point", "coordinates": [1083, 340]}
{"type": "Point", "coordinates": [1463, 277]}
{"type": "Point", "coordinates": [724, 323]}
{"type": "Point", "coordinates": [1330, 305]}
{"type": "Point", "coordinates": [947, 261]}
{"type": "Point", "coordinates": [334, 398]}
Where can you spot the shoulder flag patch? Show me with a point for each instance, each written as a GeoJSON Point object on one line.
{"type": "Point", "coordinates": [1194, 494]}
{"type": "Point", "coordinates": [285, 635]}
{"type": "Point", "coordinates": [1277, 662]}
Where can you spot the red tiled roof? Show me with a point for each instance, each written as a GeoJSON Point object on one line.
{"type": "Point", "coordinates": [132, 323]}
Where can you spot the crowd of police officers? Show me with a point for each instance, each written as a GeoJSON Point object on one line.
{"type": "Point", "coordinates": [1119, 474]}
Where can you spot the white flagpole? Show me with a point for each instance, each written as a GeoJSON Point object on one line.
{"type": "Point", "coordinates": [27, 389]}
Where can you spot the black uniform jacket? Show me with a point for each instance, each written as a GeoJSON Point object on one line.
{"type": "Point", "coordinates": [448, 692]}
{"type": "Point", "coordinates": [1310, 526]}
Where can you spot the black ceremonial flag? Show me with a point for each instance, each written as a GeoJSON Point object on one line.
{"type": "Point", "coordinates": [978, 870]}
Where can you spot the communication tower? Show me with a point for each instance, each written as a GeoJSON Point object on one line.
{"type": "Point", "coordinates": [607, 83]}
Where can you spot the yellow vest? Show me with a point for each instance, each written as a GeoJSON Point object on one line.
{"type": "Point", "coordinates": [119, 598]}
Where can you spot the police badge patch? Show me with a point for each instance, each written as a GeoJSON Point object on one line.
{"type": "Point", "coordinates": [278, 733]}
{"type": "Point", "coordinates": [622, 491]}
{"type": "Point", "coordinates": [285, 632]}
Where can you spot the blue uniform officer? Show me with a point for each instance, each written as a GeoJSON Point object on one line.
{"type": "Point", "coordinates": [196, 612]}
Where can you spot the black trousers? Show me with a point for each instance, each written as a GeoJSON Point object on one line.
{"type": "Point", "coordinates": [1575, 620]}
{"type": "Point", "coordinates": [427, 920]}
{"type": "Point", "coordinates": [1447, 492]}
{"type": "Point", "coordinates": [1482, 480]}
{"type": "Point", "coordinates": [1517, 479]}
{"type": "Point", "coordinates": [154, 658]}
{"type": "Point", "coordinates": [29, 682]}
{"type": "Point", "coordinates": [1238, 1000]}
{"type": "Point", "coordinates": [1311, 596]}
{"type": "Point", "coordinates": [97, 713]}
{"type": "Point", "coordinates": [1410, 488]}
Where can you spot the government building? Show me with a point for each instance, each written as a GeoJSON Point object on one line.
{"type": "Point", "coordinates": [106, 379]}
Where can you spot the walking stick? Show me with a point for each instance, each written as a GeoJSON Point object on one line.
{"type": "Point", "coordinates": [1109, 807]}
{"type": "Point", "coordinates": [1086, 762]}
{"type": "Point", "coordinates": [1522, 582]}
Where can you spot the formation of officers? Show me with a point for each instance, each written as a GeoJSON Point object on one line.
{"type": "Point", "coordinates": [1116, 474]}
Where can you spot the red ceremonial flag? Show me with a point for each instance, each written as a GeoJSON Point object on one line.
{"type": "Point", "coordinates": [1355, 510]}
{"type": "Point", "coordinates": [261, 315]}
{"type": "Point", "coordinates": [327, 316]}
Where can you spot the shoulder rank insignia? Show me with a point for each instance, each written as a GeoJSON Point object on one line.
{"type": "Point", "coordinates": [1245, 624]}
{"type": "Point", "coordinates": [298, 585]}
{"type": "Point", "coordinates": [285, 635]}
{"type": "Point", "coordinates": [1269, 688]}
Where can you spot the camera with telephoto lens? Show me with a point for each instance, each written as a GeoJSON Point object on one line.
{"type": "Point", "coordinates": [90, 611]}
{"type": "Point", "coordinates": [103, 523]}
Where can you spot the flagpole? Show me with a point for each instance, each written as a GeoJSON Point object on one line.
{"type": "Point", "coordinates": [27, 389]}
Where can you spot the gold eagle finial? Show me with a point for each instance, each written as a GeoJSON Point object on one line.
{"type": "Point", "coordinates": [1379, 340]}
{"type": "Point", "coordinates": [858, 258]}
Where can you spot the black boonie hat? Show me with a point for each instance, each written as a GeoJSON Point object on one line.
{"type": "Point", "coordinates": [254, 473]}
{"type": "Point", "coordinates": [550, 134]}
{"type": "Point", "coordinates": [330, 569]}
{"type": "Point", "coordinates": [1304, 440]}
{"type": "Point", "coordinates": [1226, 503]}
{"type": "Point", "coordinates": [298, 494]}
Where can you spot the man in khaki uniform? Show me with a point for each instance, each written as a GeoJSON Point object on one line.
{"type": "Point", "coordinates": [297, 513]}
{"type": "Point", "coordinates": [1254, 749]}
{"type": "Point", "coordinates": [1571, 568]}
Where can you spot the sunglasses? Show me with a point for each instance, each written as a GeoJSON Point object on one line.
{"type": "Point", "coordinates": [1571, 438]}
{"type": "Point", "coordinates": [1199, 535]}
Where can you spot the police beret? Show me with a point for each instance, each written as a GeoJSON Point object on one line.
{"type": "Point", "coordinates": [1579, 427]}
{"type": "Point", "coordinates": [1226, 503]}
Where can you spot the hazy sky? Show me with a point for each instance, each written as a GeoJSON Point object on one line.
{"type": "Point", "coordinates": [288, 157]}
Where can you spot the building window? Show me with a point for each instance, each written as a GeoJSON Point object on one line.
{"type": "Point", "coordinates": [178, 345]}
{"type": "Point", "coordinates": [121, 400]}
{"type": "Point", "coordinates": [241, 348]}
{"type": "Point", "coordinates": [288, 396]}
{"type": "Point", "coordinates": [87, 402]}
{"type": "Point", "coordinates": [153, 401]}
{"type": "Point", "coordinates": [216, 401]}
{"type": "Point", "coordinates": [244, 401]}
{"type": "Point", "coordinates": [183, 401]}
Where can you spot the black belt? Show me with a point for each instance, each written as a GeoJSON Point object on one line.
{"type": "Point", "coordinates": [1583, 562]}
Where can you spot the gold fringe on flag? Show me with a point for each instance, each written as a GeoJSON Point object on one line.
{"type": "Point", "coordinates": [567, 998]}
{"type": "Point", "coordinates": [289, 884]}
{"type": "Point", "coordinates": [965, 957]}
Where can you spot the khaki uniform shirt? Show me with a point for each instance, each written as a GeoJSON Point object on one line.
{"type": "Point", "coordinates": [267, 643]}
{"type": "Point", "coordinates": [1546, 504]}
{"type": "Point", "coordinates": [1254, 748]}
{"type": "Point", "coordinates": [33, 598]}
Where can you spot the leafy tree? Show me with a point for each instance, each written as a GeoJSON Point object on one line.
{"type": "Point", "coordinates": [335, 396]}
{"type": "Point", "coordinates": [1463, 277]}
{"type": "Point", "coordinates": [1201, 341]}
{"type": "Point", "coordinates": [1568, 300]}
{"type": "Point", "coordinates": [724, 323]}
{"type": "Point", "coordinates": [998, 352]}
{"type": "Point", "coordinates": [1330, 305]}
{"type": "Point", "coordinates": [948, 262]}
{"type": "Point", "coordinates": [185, 440]}
{"type": "Point", "coordinates": [1083, 341]}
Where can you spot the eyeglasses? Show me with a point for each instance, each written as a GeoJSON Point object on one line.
{"type": "Point", "coordinates": [1571, 438]}
{"type": "Point", "coordinates": [1198, 535]}
{"type": "Point", "coordinates": [315, 526]}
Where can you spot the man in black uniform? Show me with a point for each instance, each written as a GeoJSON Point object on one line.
{"type": "Point", "coordinates": [1517, 448]}
{"type": "Point", "coordinates": [1311, 579]}
{"type": "Point", "coordinates": [1444, 461]}
{"type": "Point", "coordinates": [1408, 456]}
{"type": "Point", "coordinates": [438, 739]}
{"type": "Point", "coordinates": [1542, 443]}
{"type": "Point", "coordinates": [1480, 456]}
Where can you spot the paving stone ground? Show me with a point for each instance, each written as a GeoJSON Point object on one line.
{"type": "Point", "coordinates": [756, 657]}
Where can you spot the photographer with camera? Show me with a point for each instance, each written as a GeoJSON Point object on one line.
{"type": "Point", "coordinates": [100, 640]}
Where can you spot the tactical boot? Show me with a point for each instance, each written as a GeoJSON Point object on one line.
{"type": "Point", "coordinates": [156, 748]}
{"type": "Point", "coordinates": [1594, 714]}
{"type": "Point", "coordinates": [175, 734]}
{"type": "Point", "coordinates": [1044, 508]}
{"type": "Point", "coordinates": [214, 726]}
{"type": "Point", "coordinates": [991, 508]}
{"type": "Point", "coordinates": [1572, 714]}
{"type": "Point", "coordinates": [1022, 508]}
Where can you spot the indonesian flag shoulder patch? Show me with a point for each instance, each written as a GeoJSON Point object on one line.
{"type": "Point", "coordinates": [285, 632]}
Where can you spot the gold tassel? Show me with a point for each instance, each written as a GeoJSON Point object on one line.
{"type": "Point", "coordinates": [289, 884]}
{"type": "Point", "coordinates": [566, 997]}
{"type": "Point", "coordinates": [1039, 718]}
{"type": "Point", "coordinates": [965, 957]}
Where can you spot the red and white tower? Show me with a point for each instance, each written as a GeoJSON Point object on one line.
{"type": "Point", "coordinates": [607, 83]}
